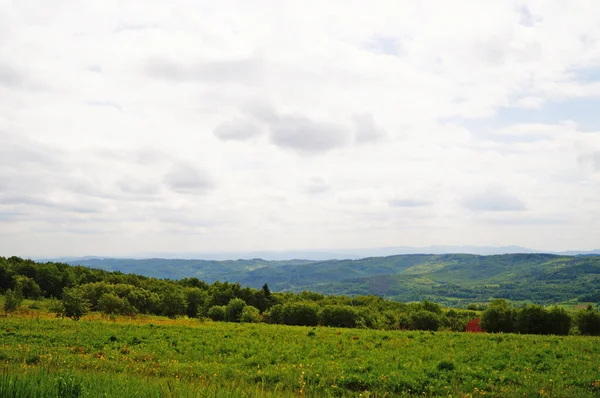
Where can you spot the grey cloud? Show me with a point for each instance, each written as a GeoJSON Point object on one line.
{"type": "Point", "coordinates": [495, 199]}
{"type": "Point", "coordinates": [408, 203]}
{"type": "Point", "coordinates": [367, 130]}
{"type": "Point", "coordinates": [10, 77]}
{"type": "Point", "coordinates": [105, 103]}
{"type": "Point", "coordinates": [385, 45]}
{"type": "Point", "coordinates": [261, 111]}
{"type": "Point", "coordinates": [137, 187]}
{"type": "Point", "coordinates": [94, 68]}
{"type": "Point", "coordinates": [239, 129]}
{"type": "Point", "coordinates": [527, 221]}
{"type": "Point", "coordinates": [318, 185]}
{"type": "Point", "coordinates": [247, 71]}
{"type": "Point", "coordinates": [306, 136]}
{"type": "Point", "coordinates": [185, 178]}
{"type": "Point", "coordinates": [42, 202]}
{"type": "Point", "coordinates": [124, 26]}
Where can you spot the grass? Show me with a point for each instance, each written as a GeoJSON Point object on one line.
{"type": "Point", "coordinates": [152, 356]}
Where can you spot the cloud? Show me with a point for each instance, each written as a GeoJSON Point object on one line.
{"type": "Point", "coordinates": [306, 136]}
{"type": "Point", "coordinates": [493, 199]}
{"type": "Point", "coordinates": [104, 103]}
{"type": "Point", "coordinates": [186, 178]}
{"type": "Point", "coordinates": [318, 185]}
{"type": "Point", "coordinates": [367, 130]}
{"type": "Point", "coordinates": [10, 77]}
{"type": "Point", "coordinates": [237, 130]}
{"type": "Point", "coordinates": [243, 70]}
{"type": "Point", "coordinates": [408, 203]}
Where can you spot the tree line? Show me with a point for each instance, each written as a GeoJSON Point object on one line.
{"type": "Point", "coordinates": [74, 291]}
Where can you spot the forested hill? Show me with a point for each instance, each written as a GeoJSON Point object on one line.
{"type": "Point", "coordinates": [450, 279]}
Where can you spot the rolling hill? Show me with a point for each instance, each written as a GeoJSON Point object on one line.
{"type": "Point", "coordinates": [448, 278]}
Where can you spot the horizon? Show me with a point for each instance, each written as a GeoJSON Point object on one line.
{"type": "Point", "coordinates": [227, 127]}
{"type": "Point", "coordinates": [324, 255]}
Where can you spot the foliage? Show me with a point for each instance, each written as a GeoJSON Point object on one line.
{"type": "Point", "coordinates": [12, 301]}
{"type": "Point", "coordinates": [234, 310]}
{"type": "Point", "coordinates": [588, 322]}
{"type": "Point", "coordinates": [498, 317]}
{"type": "Point", "coordinates": [250, 314]}
{"type": "Point", "coordinates": [217, 313]}
{"type": "Point", "coordinates": [74, 304]}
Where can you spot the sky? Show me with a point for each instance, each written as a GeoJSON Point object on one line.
{"type": "Point", "coordinates": [132, 127]}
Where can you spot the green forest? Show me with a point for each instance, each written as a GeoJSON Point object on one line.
{"type": "Point", "coordinates": [450, 279]}
{"type": "Point", "coordinates": [73, 291]}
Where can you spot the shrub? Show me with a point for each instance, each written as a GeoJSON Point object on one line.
{"type": "Point", "coordinates": [250, 314]}
{"type": "Point", "coordinates": [498, 317]}
{"type": "Point", "coordinates": [559, 321]}
{"type": "Point", "coordinates": [74, 304]}
{"type": "Point", "coordinates": [234, 310]}
{"type": "Point", "coordinates": [300, 313]}
{"type": "Point", "coordinates": [588, 322]}
{"type": "Point", "coordinates": [217, 313]}
{"type": "Point", "coordinates": [339, 316]}
{"type": "Point", "coordinates": [532, 319]}
{"type": "Point", "coordinates": [12, 301]}
{"type": "Point", "coordinates": [424, 320]}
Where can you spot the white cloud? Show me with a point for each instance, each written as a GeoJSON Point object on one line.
{"type": "Point", "coordinates": [290, 126]}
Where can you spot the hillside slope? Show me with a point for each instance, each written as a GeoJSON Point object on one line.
{"type": "Point", "coordinates": [448, 278]}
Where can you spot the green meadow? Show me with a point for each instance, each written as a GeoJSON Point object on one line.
{"type": "Point", "coordinates": [101, 356]}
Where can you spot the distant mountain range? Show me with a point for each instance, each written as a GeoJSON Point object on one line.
{"type": "Point", "coordinates": [319, 255]}
{"type": "Point", "coordinates": [452, 279]}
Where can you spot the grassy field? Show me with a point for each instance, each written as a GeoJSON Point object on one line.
{"type": "Point", "coordinates": [152, 356]}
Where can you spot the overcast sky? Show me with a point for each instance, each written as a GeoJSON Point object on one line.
{"type": "Point", "coordinates": [131, 127]}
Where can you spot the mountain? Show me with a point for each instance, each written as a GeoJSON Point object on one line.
{"type": "Point", "coordinates": [446, 278]}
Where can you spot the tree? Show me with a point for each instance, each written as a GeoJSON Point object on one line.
{"type": "Point", "coordinates": [74, 303]}
{"type": "Point", "coordinates": [195, 299]}
{"type": "Point", "coordinates": [588, 322]}
{"type": "Point", "coordinates": [532, 319]}
{"type": "Point", "coordinates": [173, 302]}
{"type": "Point", "coordinates": [498, 317]}
{"type": "Point", "coordinates": [424, 320]}
{"type": "Point", "coordinates": [234, 309]}
{"type": "Point", "coordinates": [300, 313]}
{"type": "Point", "coordinates": [250, 314]}
{"type": "Point", "coordinates": [217, 313]}
{"type": "Point", "coordinates": [12, 300]}
{"type": "Point", "coordinates": [110, 303]}
{"type": "Point", "coordinates": [28, 287]}
{"type": "Point", "coordinates": [559, 321]}
{"type": "Point", "coordinates": [339, 316]}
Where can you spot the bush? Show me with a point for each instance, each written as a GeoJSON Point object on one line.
{"type": "Point", "coordinates": [234, 310]}
{"type": "Point", "coordinates": [300, 313]}
{"type": "Point", "coordinates": [339, 316]}
{"type": "Point", "coordinates": [217, 313]}
{"type": "Point", "coordinates": [12, 301]}
{"type": "Point", "coordinates": [532, 319]}
{"type": "Point", "coordinates": [250, 314]}
{"type": "Point", "coordinates": [588, 322]}
{"type": "Point", "coordinates": [74, 304]}
{"type": "Point", "coordinates": [424, 320]}
{"type": "Point", "coordinates": [559, 321]}
{"type": "Point", "coordinates": [110, 303]}
{"type": "Point", "coordinates": [275, 314]}
{"type": "Point", "coordinates": [498, 317]}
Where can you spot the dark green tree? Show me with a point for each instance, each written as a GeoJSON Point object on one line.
{"type": "Point", "coordinates": [75, 304]}
{"type": "Point", "coordinates": [498, 317]}
{"type": "Point", "coordinates": [12, 300]}
{"type": "Point", "coordinates": [588, 322]}
{"type": "Point", "coordinates": [234, 310]}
